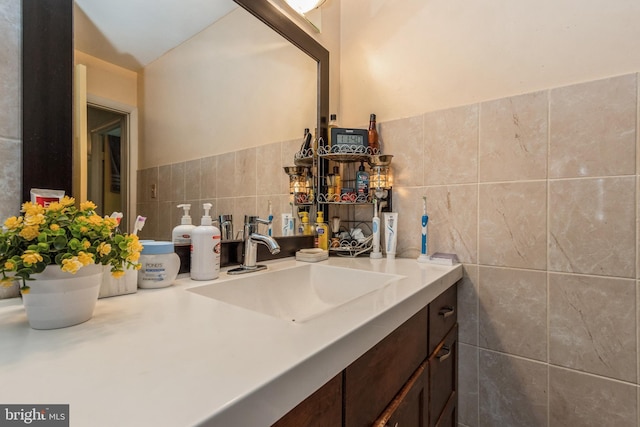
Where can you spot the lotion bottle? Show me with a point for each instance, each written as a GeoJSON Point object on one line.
{"type": "Point", "coordinates": [181, 238]}
{"type": "Point", "coordinates": [205, 248]}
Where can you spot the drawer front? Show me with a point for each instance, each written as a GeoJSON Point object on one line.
{"type": "Point", "coordinates": [372, 381]}
{"type": "Point", "coordinates": [408, 408]}
{"type": "Point", "coordinates": [443, 314]}
{"type": "Point", "coordinates": [443, 378]}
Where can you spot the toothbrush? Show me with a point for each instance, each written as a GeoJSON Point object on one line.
{"type": "Point", "coordinates": [375, 226]}
{"type": "Point", "coordinates": [425, 220]}
{"type": "Point", "coordinates": [140, 220]}
{"type": "Point", "coordinates": [270, 231]}
{"type": "Point", "coordinates": [118, 217]}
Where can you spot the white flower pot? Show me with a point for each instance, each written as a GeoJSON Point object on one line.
{"type": "Point", "coordinates": [58, 299]}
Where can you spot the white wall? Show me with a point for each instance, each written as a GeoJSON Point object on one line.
{"type": "Point", "coordinates": [401, 58]}
{"type": "Point", "coordinates": [204, 98]}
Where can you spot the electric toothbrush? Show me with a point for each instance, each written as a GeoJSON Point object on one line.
{"type": "Point", "coordinates": [425, 220]}
{"type": "Point", "coordinates": [375, 227]}
{"type": "Point", "coordinates": [270, 230]}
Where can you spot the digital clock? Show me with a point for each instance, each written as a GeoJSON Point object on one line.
{"type": "Point", "coordinates": [345, 140]}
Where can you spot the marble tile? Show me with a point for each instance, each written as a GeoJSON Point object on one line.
{"type": "Point", "coordinates": [208, 182]}
{"type": "Point", "coordinates": [453, 213]}
{"type": "Point", "coordinates": [592, 325]}
{"type": "Point", "coordinates": [288, 151]}
{"type": "Point", "coordinates": [513, 138]}
{"type": "Point", "coordinates": [149, 210]}
{"type": "Point", "coordinates": [164, 184]}
{"type": "Point", "coordinates": [468, 305]}
{"type": "Point", "coordinates": [403, 139]}
{"type": "Point", "coordinates": [245, 206]}
{"type": "Point", "coordinates": [178, 182]}
{"type": "Point", "coordinates": [451, 146]}
{"type": "Point", "coordinates": [591, 226]}
{"type": "Point", "coordinates": [512, 392]}
{"type": "Point", "coordinates": [578, 399]}
{"type": "Point", "coordinates": [513, 224]}
{"type": "Point", "coordinates": [271, 178]}
{"type": "Point", "coordinates": [164, 220]}
{"type": "Point", "coordinates": [512, 312]}
{"type": "Point", "coordinates": [246, 172]}
{"type": "Point", "coordinates": [10, 69]}
{"type": "Point", "coordinates": [468, 385]}
{"type": "Point", "coordinates": [10, 178]}
{"type": "Point", "coordinates": [146, 179]}
{"type": "Point", "coordinates": [593, 128]}
{"type": "Point", "coordinates": [226, 175]}
{"type": "Point", "coordinates": [192, 179]}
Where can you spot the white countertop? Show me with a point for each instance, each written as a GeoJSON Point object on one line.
{"type": "Point", "coordinates": [168, 357]}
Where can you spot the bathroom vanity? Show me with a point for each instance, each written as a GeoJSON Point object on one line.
{"type": "Point", "coordinates": [184, 355]}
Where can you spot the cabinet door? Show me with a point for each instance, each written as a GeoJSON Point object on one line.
{"type": "Point", "coordinates": [443, 378]}
{"type": "Point", "coordinates": [408, 408]}
{"type": "Point", "coordinates": [372, 381]}
{"type": "Point", "coordinates": [322, 409]}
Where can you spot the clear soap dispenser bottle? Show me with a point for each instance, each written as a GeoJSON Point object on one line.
{"type": "Point", "coordinates": [205, 248]}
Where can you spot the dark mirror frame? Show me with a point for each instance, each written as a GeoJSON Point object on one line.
{"type": "Point", "coordinates": [47, 86]}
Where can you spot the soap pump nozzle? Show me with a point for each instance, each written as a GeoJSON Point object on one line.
{"type": "Point", "coordinates": [186, 218]}
{"type": "Point", "coordinates": [206, 218]}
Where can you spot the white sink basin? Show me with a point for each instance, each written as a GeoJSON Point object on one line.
{"type": "Point", "coordinates": [299, 293]}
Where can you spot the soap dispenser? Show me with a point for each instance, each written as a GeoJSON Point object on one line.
{"type": "Point", "coordinates": [205, 248]}
{"type": "Point", "coordinates": [306, 227]}
{"type": "Point", "coordinates": [322, 232]}
{"type": "Point", "coordinates": [181, 238]}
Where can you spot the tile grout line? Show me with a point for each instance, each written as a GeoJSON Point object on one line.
{"type": "Point", "coordinates": [548, 316]}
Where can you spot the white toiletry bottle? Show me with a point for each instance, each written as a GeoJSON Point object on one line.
{"type": "Point", "coordinates": [205, 248]}
{"type": "Point", "coordinates": [181, 238]}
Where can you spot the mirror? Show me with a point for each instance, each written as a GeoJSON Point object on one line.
{"type": "Point", "coordinates": [37, 106]}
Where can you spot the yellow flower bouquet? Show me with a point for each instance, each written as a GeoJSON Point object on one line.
{"type": "Point", "coordinates": [62, 234]}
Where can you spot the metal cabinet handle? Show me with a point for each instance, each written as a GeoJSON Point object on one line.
{"type": "Point", "coordinates": [447, 311]}
{"type": "Point", "coordinates": [445, 356]}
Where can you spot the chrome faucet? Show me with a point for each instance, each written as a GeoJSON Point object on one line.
{"type": "Point", "coordinates": [226, 227]}
{"type": "Point", "coordinates": [251, 240]}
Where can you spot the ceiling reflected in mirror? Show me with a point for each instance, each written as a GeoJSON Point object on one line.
{"type": "Point", "coordinates": [132, 34]}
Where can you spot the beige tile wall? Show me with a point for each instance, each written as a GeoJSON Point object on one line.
{"type": "Point", "coordinates": [10, 116]}
{"type": "Point", "coordinates": [537, 196]}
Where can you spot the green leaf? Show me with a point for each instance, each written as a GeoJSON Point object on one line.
{"type": "Point", "coordinates": [60, 242]}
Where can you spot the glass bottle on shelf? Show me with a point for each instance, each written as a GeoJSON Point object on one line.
{"type": "Point", "coordinates": [374, 144]}
{"type": "Point", "coordinates": [337, 180]}
{"type": "Point", "coordinates": [333, 123]}
{"type": "Point", "coordinates": [306, 141]}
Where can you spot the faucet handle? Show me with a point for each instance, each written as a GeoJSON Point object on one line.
{"type": "Point", "coordinates": [251, 224]}
{"type": "Point", "coordinates": [254, 220]}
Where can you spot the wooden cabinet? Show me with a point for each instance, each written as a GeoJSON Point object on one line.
{"type": "Point", "coordinates": [409, 379]}
{"type": "Point", "coordinates": [372, 381]}
{"type": "Point", "coordinates": [322, 409]}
